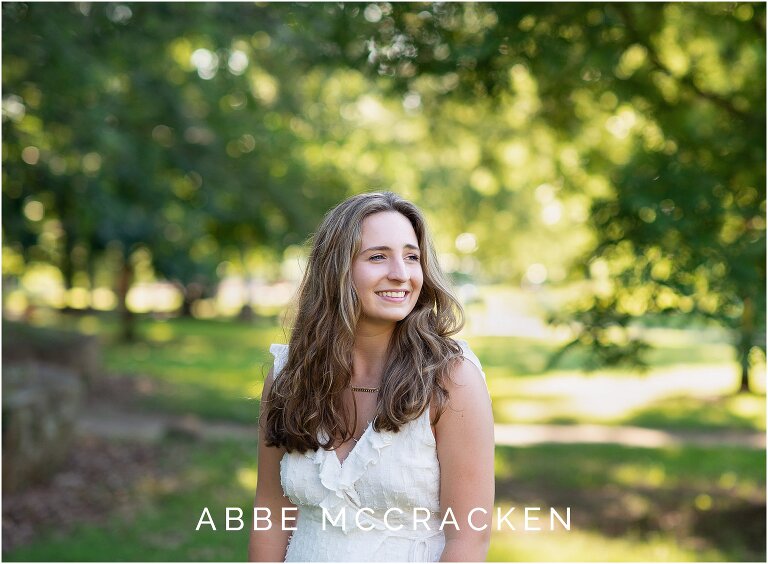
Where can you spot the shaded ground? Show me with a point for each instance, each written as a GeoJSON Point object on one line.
{"type": "Point", "coordinates": [704, 497]}
{"type": "Point", "coordinates": [100, 479]}
{"type": "Point", "coordinates": [617, 511]}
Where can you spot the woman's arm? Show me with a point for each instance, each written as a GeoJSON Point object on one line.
{"type": "Point", "coordinates": [269, 545]}
{"type": "Point", "coordinates": [465, 448]}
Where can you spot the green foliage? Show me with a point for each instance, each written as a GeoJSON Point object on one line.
{"type": "Point", "coordinates": [619, 143]}
{"type": "Point", "coordinates": [664, 104]}
{"type": "Point", "coordinates": [122, 142]}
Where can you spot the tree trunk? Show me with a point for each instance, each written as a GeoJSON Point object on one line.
{"type": "Point", "coordinates": [67, 269]}
{"type": "Point", "coordinates": [246, 312]}
{"type": "Point", "coordinates": [186, 305]}
{"type": "Point", "coordinates": [90, 271]}
{"type": "Point", "coordinates": [745, 343]}
{"type": "Point", "coordinates": [190, 293]}
{"type": "Point", "coordinates": [127, 318]}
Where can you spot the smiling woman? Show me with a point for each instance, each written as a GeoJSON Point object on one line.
{"type": "Point", "coordinates": [372, 403]}
{"type": "Point", "coordinates": [387, 278]}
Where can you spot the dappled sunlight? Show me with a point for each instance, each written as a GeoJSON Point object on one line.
{"type": "Point", "coordinates": [579, 545]}
{"type": "Point", "coordinates": [649, 475]}
{"type": "Point", "coordinates": [591, 175]}
{"type": "Point", "coordinates": [729, 412]}
{"type": "Point", "coordinates": [521, 434]}
{"type": "Point", "coordinates": [89, 325]}
{"type": "Point", "coordinates": [610, 397]}
{"type": "Point", "coordinates": [194, 345]}
{"type": "Point", "coordinates": [749, 407]}
{"type": "Point", "coordinates": [247, 476]}
{"type": "Point", "coordinates": [580, 466]}
{"type": "Point", "coordinates": [159, 485]}
{"type": "Point", "coordinates": [160, 333]}
{"type": "Point", "coordinates": [627, 499]}
{"type": "Point", "coordinates": [158, 297]}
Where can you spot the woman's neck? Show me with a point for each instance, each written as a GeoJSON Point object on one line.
{"type": "Point", "coordinates": [370, 355]}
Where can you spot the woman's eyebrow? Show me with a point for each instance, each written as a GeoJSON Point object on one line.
{"type": "Point", "coordinates": [385, 248]}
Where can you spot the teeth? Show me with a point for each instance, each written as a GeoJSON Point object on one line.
{"type": "Point", "coordinates": [392, 294]}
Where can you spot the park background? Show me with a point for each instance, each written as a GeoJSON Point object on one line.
{"type": "Point", "coordinates": [594, 177]}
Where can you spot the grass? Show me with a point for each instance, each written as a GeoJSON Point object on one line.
{"type": "Point", "coordinates": [216, 476]}
{"type": "Point", "coordinates": [628, 504]}
{"type": "Point", "coordinates": [633, 504]}
{"type": "Point", "coordinates": [589, 546]}
{"type": "Point", "coordinates": [580, 467]}
{"type": "Point", "coordinates": [620, 498]}
{"type": "Point", "coordinates": [215, 369]}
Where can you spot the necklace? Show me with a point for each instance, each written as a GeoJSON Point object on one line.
{"type": "Point", "coordinates": [361, 389]}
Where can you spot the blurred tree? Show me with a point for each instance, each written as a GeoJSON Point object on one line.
{"type": "Point", "coordinates": [660, 106]}
{"type": "Point", "coordinates": [203, 132]}
{"type": "Point", "coordinates": [119, 133]}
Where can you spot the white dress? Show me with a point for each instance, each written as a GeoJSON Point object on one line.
{"type": "Point", "coordinates": [385, 471]}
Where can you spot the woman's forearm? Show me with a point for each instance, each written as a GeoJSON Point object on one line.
{"type": "Point", "coordinates": [465, 550]}
{"type": "Point", "coordinates": [267, 546]}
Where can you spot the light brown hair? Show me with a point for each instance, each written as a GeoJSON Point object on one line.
{"type": "Point", "coordinates": [306, 397]}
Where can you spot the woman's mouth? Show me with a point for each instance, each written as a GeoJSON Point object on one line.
{"type": "Point", "coordinates": [395, 296]}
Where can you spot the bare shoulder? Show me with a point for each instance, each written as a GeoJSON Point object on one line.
{"type": "Point", "coordinates": [468, 398]}
{"type": "Point", "coordinates": [465, 380]}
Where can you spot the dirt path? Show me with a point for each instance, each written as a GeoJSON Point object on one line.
{"type": "Point", "coordinates": [110, 422]}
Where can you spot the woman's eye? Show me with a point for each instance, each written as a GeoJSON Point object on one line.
{"type": "Point", "coordinates": [414, 258]}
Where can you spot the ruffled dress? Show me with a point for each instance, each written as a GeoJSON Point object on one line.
{"type": "Point", "coordinates": [381, 505]}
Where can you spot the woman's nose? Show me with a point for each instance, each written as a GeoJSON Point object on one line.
{"type": "Point", "coordinates": [398, 271]}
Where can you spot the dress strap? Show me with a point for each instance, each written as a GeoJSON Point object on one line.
{"type": "Point", "coordinates": [280, 352]}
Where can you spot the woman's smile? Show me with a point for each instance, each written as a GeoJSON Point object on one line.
{"type": "Point", "coordinates": [393, 296]}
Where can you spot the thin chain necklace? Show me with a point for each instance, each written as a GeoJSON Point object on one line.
{"type": "Point", "coordinates": [361, 389]}
{"type": "Point", "coordinates": [369, 391]}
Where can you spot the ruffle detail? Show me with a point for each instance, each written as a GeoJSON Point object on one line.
{"type": "Point", "coordinates": [339, 479]}
{"type": "Point", "coordinates": [280, 352]}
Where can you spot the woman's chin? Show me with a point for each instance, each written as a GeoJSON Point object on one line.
{"type": "Point", "coordinates": [385, 317]}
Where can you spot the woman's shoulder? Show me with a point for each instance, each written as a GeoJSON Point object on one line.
{"type": "Point", "coordinates": [469, 355]}
{"type": "Point", "coordinates": [466, 384]}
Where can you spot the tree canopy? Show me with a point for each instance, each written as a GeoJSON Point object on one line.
{"type": "Point", "coordinates": [620, 143]}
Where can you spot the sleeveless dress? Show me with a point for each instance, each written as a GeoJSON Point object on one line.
{"type": "Point", "coordinates": [398, 472]}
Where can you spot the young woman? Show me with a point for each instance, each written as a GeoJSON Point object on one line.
{"type": "Point", "coordinates": [376, 433]}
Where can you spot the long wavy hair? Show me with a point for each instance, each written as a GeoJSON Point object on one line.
{"type": "Point", "coordinates": [306, 400]}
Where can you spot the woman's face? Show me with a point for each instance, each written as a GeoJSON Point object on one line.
{"type": "Point", "coordinates": [386, 273]}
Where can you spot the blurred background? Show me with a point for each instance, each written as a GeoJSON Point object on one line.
{"type": "Point", "coordinates": [594, 177]}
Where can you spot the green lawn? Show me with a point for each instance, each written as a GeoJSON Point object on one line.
{"type": "Point", "coordinates": [633, 504]}
{"type": "Point", "coordinates": [208, 475]}
{"type": "Point", "coordinates": [215, 369]}
{"type": "Point", "coordinates": [627, 504]}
